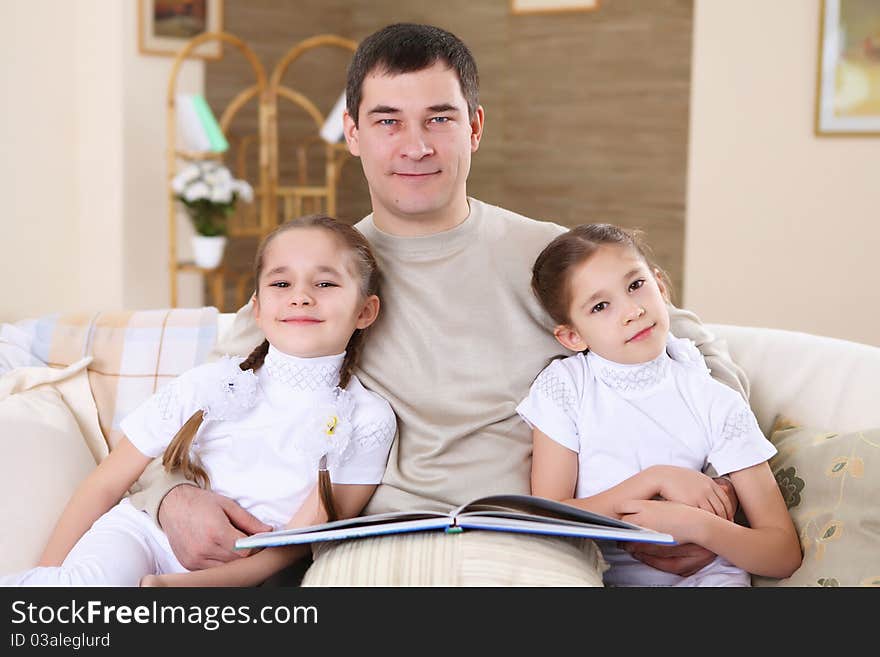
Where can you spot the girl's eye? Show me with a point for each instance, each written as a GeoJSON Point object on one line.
{"type": "Point", "coordinates": [635, 285]}
{"type": "Point", "coordinates": [599, 307]}
{"type": "Point", "coordinates": [327, 284]}
{"type": "Point", "coordinates": [279, 284]}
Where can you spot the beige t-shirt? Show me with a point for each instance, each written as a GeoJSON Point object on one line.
{"type": "Point", "coordinates": [459, 340]}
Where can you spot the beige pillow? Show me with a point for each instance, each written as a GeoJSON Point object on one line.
{"type": "Point", "coordinates": [43, 458]}
{"type": "Point", "coordinates": [241, 337]}
{"type": "Point", "coordinates": [831, 484]}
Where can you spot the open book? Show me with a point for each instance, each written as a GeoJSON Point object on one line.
{"type": "Point", "coordinates": [502, 513]}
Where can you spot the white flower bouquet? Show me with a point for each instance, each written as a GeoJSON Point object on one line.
{"type": "Point", "coordinates": [209, 193]}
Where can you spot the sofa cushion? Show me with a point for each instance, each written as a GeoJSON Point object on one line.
{"type": "Point", "coordinates": [43, 458]}
{"type": "Point", "coordinates": [831, 484]}
{"type": "Point", "coordinates": [134, 352]}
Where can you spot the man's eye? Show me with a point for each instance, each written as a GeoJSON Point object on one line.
{"type": "Point", "coordinates": [635, 285]}
{"type": "Point", "coordinates": [599, 307]}
{"type": "Point", "coordinates": [387, 121]}
{"type": "Point", "coordinates": [440, 119]}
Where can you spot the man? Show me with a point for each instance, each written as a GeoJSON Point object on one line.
{"type": "Point", "coordinates": [459, 341]}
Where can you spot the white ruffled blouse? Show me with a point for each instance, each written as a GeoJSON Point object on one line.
{"type": "Point", "coordinates": [264, 433]}
{"type": "Point", "coordinates": [621, 419]}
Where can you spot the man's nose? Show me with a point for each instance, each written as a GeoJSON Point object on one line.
{"type": "Point", "coordinates": [415, 145]}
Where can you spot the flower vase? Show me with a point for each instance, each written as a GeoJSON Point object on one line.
{"type": "Point", "coordinates": [208, 251]}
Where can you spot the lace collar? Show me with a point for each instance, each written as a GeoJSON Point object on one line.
{"type": "Point", "coordinates": [637, 378]}
{"type": "Point", "coordinates": [314, 374]}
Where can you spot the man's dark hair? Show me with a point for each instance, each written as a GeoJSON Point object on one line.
{"type": "Point", "coordinates": [408, 47]}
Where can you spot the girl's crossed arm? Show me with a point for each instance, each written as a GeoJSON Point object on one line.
{"type": "Point", "coordinates": [769, 546]}
{"type": "Point", "coordinates": [103, 488]}
{"type": "Point", "coordinates": [350, 499]}
{"type": "Point", "coordinates": [555, 474]}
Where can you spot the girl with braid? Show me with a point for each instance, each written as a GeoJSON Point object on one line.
{"type": "Point", "coordinates": [289, 432]}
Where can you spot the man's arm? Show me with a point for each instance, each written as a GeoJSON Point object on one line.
{"type": "Point", "coordinates": [202, 526]}
{"type": "Point", "coordinates": [152, 487]}
{"type": "Point", "coordinates": [349, 499]}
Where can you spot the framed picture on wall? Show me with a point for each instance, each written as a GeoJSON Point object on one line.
{"type": "Point", "coordinates": [164, 26]}
{"type": "Point", "coordinates": [848, 84]}
{"type": "Point", "coordinates": [551, 6]}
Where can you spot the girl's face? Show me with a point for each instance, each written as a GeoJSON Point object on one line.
{"type": "Point", "coordinates": [309, 301]}
{"type": "Point", "coordinates": [617, 308]}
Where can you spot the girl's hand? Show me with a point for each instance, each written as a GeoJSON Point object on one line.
{"type": "Point", "coordinates": [680, 520]}
{"type": "Point", "coordinates": [694, 489]}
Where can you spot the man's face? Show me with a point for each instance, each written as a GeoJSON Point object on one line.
{"type": "Point", "coordinates": [415, 140]}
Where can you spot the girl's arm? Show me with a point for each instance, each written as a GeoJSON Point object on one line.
{"type": "Point", "coordinates": [255, 569]}
{"type": "Point", "coordinates": [103, 488]}
{"type": "Point", "coordinates": [768, 547]}
{"type": "Point", "coordinates": [555, 473]}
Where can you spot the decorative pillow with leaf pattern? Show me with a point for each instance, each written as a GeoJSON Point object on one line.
{"type": "Point", "coordinates": [831, 484]}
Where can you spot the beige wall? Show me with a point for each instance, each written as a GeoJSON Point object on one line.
{"type": "Point", "coordinates": [83, 178]}
{"type": "Point", "coordinates": [782, 226]}
{"type": "Point", "coordinates": [38, 267]}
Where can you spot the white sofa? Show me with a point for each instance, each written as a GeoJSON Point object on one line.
{"type": "Point", "coordinates": [826, 385]}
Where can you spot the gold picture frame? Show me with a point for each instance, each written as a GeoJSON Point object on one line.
{"type": "Point", "coordinates": [551, 6]}
{"type": "Point", "coordinates": [165, 26]}
{"type": "Point", "coordinates": [848, 70]}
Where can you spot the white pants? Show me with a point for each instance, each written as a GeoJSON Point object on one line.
{"type": "Point", "coordinates": [118, 550]}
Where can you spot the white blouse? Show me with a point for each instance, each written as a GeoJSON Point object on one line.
{"type": "Point", "coordinates": [621, 419]}
{"type": "Point", "coordinates": [264, 434]}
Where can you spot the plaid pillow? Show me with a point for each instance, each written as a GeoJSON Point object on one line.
{"type": "Point", "coordinates": [134, 352]}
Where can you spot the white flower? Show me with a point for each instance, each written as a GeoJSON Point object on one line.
{"type": "Point", "coordinates": [231, 394]}
{"type": "Point", "coordinates": [222, 193]}
{"type": "Point", "coordinates": [196, 191]}
{"type": "Point", "coordinates": [685, 351]}
{"type": "Point", "coordinates": [186, 176]}
{"type": "Point", "coordinates": [329, 429]}
{"type": "Point", "coordinates": [207, 180]}
{"type": "Point", "coordinates": [244, 190]}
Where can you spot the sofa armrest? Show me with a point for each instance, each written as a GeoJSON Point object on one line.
{"type": "Point", "coordinates": [819, 381]}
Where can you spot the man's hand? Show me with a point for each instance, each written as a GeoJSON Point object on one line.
{"type": "Point", "coordinates": [202, 526]}
{"type": "Point", "coordinates": [685, 559]}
